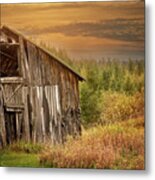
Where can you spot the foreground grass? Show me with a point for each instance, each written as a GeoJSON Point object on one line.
{"type": "Point", "coordinates": [15, 159]}
{"type": "Point", "coordinates": [115, 146]}
{"type": "Point", "coordinates": [20, 155]}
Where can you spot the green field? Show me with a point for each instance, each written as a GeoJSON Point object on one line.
{"type": "Point", "coordinates": [16, 159]}
{"type": "Point", "coordinates": [20, 155]}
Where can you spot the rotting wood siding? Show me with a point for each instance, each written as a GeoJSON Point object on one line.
{"type": "Point", "coordinates": [42, 73]}
{"type": "Point", "coordinates": [49, 95]}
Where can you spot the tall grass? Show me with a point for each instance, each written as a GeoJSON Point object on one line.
{"type": "Point", "coordinates": [118, 146]}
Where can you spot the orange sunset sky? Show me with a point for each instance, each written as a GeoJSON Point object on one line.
{"type": "Point", "coordinates": [83, 29]}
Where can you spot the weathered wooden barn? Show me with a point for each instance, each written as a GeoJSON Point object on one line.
{"type": "Point", "coordinates": [39, 95]}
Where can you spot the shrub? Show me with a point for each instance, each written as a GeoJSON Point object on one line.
{"type": "Point", "coordinates": [119, 106]}
{"type": "Point", "coordinates": [90, 96]}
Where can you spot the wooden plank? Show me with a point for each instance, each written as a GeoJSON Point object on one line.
{"type": "Point", "coordinates": [11, 80]}
{"type": "Point", "coordinates": [14, 92]}
{"type": "Point", "coordinates": [8, 90]}
{"type": "Point", "coordinates": [7, 55]}
{"type": "Point", "coordinates": [33, 98]}
{"type": "Point", "coordinates": [25, 68]}
{"type": "Point", "coordinates": [38, 115]}
{"type": "Point", "coordinates": [26, 118]}
{"type": "Point", "coordinates": [17, 126]}
{"type": "Point", "coordinates": [43, 124]}
{"type": "Point", "coordinates": [20, 125]}
{"type": "Point", "coordinates": [14, 107]}
{"type": "Point", "coordinates": [19, 62]}
{"type": "Point", "coordinates": [2, 92]}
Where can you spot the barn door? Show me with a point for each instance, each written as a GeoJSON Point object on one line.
{"type": "Point", "coordinates": [54, 112]}
{"type": "Point", "coordinates": [13, 107]}
{"type": "Point", "coordinates": [43, 113]}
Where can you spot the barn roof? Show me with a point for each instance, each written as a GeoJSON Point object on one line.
{"type": "Point", "coordinates": [16, 34]}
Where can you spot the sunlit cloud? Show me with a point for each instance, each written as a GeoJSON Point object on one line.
{"type": "Point", "coordinates": [82, 29]}
{"type": "Point", "coordinates": [119, 29]}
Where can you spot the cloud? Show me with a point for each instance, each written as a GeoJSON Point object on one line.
{"type": "Point", "coordinates": [66, 5]}
{"type": "Point", "coordinates": [112, 5]}
{"type": "Point", "coordinates": [118, 29]}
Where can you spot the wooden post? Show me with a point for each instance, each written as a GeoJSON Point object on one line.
{"type": "Point", "coordinates": [2, 121]}
{"type": "Point", "coordinates": [17, 126]}
{"type": "Point", "coordinates": [26, 118]}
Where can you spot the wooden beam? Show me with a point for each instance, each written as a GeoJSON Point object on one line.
{"type": "Point", "coordinates": [8, 56]}
{"type": "Point", "coordinates": [6, 44]}
{"type": "Point", "coordinates": [14, 109]}
{"type": "Point", "coordinates": [11, 80]}
{"type": "Point", "coordinates": [2, 91]}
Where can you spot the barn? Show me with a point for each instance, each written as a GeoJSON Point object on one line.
{"type": "Point", "coordinates": [39, 93]}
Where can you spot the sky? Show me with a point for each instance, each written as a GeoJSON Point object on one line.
{"type": "Point", "coordinates": [87, 30]}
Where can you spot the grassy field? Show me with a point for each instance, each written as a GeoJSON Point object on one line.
{"type": "Point", "coordinates": [16, 159]}
{"type": "Point", "coordinates": [20, 155]}
{"type": "Point", "coordinates": [115, 146]}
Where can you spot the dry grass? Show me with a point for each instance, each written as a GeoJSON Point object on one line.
{"type": "Point", "coordinates": [117, 146]}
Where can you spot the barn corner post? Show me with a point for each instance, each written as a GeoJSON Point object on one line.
{"type": "Point", "coordinates": [2, 121]}
{"type": "Point", "coordinates": [78, 109]}
{"type": "Point", "coordinates": [24, 73]}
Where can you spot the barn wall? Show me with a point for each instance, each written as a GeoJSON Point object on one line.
{"type": "Point", "coordinates": [48, 85]}
{"type": "Point", "coordinates": [46, 107]}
